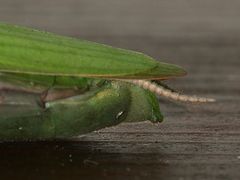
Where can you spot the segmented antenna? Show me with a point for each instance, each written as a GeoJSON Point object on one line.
{"type": "Point", "coordinates": [161, 91]}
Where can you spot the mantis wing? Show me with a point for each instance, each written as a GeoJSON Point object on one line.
{"type": "Point", "coordinates": [28, 51]}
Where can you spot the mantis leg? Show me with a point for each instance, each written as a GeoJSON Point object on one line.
{"type": "Point", "coordinates": [23, 118]}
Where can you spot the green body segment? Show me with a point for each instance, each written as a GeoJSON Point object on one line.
{"type": "Point", "coordinates": [23, 118]}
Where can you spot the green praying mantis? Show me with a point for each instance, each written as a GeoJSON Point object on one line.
{"type": "Point", "coordinates": [53, 86]}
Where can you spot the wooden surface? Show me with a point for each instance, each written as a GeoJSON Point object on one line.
{"type": "Point", "coordinates": [194, 141]}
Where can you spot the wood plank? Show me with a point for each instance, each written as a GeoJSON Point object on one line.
{"type": "Point", "coordinates": [194, 141]}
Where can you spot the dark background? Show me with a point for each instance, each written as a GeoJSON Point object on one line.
{"type": "Point", "coordinates": [194, 141]}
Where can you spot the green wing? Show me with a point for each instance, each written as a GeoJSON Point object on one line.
{"type": "Point", "coordinates": [28, 51]}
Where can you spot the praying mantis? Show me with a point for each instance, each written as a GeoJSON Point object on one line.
{"type": "Point", "coordinates": [53, 86]}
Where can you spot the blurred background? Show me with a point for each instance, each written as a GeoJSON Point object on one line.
{"type": "Point", "coordinates": [194, 142]}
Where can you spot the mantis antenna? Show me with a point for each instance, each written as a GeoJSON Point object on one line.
{"type": "Point", "coordinates": [161, 91]}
